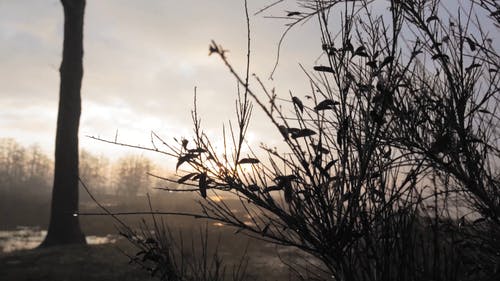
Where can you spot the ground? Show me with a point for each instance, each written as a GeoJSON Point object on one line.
{"type": "Point", "coordinates": [108, 262]}
{"type": "Point", "coordinates": [97, 262]}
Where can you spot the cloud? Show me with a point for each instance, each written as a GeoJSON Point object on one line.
{"type": "Point", "coordinates": [142, 61]}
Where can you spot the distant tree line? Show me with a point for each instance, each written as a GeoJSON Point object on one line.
{"type": "Point", "coordinates": [22, 167]}
{"type": "Point", "coordinates": [28, 170]}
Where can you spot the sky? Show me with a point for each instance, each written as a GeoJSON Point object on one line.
{"type": "Point", "coordinates": [142, 61]}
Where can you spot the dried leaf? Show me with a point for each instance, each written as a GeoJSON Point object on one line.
{"type": "Point", "coordinates": [387, 61]}
{"type": "Point", "coordinates": [372, 63]}
{"type": "Point", "coordinates": [283, 131]}
{"type": "Point", "coordinates": [285, 182]}
{"type": "Point", "coordinates": [323, 68]}
{"type": "Point", "coordinates": [440, 56]}
{"type": "Point", "coordinates": [320, 149]}
{"type": "Point", "coordinates": [293, 130]}
{"type": "Point", "coordinates": [297, 102]}
{"type": "Point", "coordinates": [330, 164]}
{"type": "Point", "coordinates": [285, 178]}
{"type": "Point", "coordinates": [326, 104]}
{"type": "Point", "coordinates": [361, 51]}
{"type": "Point", "coordinates": [472, 44]}
{"type": "Point", "coordinates": [432, 18]}
{"type": "Point", "coordinates": [472, 66]}
{"type": "Point", "coordinates": [291, 14]}
{"type": "Point", "coordinates": [348, 46]}
{"type": "Point", "coordinates": [186, 177]}
{"type": "Point", "coordinates": [202, 184]}
{"type": "Point", "coordinates": [272, 188]}
{"type": "Point", "coordinates": [184, 143]}
{"type": "Point", "coordinates": [197, 150]}
{"type": "Point", "coordinates": [183, 159]}
{"type": "Point", "coordinates": [212, 49]}
{"type": "Point", "coordinates": [303, 133]}
{"type": "Point", "coordinates": [249, 161]}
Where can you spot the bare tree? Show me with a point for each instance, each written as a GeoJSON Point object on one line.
{"type": "Point", "coordinates": [131, 175]}
{"type": "Point", "coordinates": [23, 169]}
{"type": "Point", "coordinates": [64, 227]}
{"type": "Point", "coordinates": [38, 167]}
{"type": "Point", "coordinates": [94, 170]}
{"type": "Point", "coordinates": [12, 159]}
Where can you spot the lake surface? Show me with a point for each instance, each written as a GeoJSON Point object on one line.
{"type": "Point", "coordinates": [29, 237]}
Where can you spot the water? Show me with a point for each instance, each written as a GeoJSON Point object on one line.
{"type": "Point", "coordinates": [28, 237]}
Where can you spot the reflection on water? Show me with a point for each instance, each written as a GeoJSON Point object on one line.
{"type": "Point", "coordinates": [26, 237]}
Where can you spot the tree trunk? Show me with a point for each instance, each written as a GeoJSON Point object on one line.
{"type": "Point", "coordinates": [64, 227]}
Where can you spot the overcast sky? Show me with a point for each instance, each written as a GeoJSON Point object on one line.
{"type": "Point", "coordinates": [142, 61]}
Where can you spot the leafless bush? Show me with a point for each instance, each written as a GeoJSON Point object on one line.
{"type": "Point", "coordinates": [399, 127]}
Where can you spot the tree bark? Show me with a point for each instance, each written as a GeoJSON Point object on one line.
{"type": "Point", "coordinates": [64, 227]}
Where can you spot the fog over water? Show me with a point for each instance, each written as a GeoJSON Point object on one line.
{"type": "Point", "coordinates": [29, 237]}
